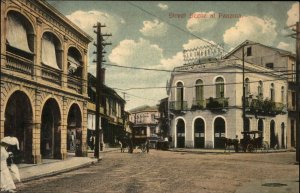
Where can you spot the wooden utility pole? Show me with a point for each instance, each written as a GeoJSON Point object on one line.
{"type": "Point", "coordinates": [100, 45]}
{"type": "Point", "coordinates": [297, 90]}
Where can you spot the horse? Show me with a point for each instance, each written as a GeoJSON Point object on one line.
{"type": "Point", "coordinates": [229, 142]}
{"type": "Point", "coordinates": [125, 142]}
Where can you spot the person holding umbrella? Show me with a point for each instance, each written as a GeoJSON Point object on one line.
{"type": "Point", "coordinates": [7, 183]}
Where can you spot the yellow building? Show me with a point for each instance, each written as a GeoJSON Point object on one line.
{"type": "Point", "coordinates": [43, 80]}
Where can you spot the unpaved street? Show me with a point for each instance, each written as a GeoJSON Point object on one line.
{"type": "Point", "coordinates": [164, 171]}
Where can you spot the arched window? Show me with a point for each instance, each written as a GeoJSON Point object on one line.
{"type": "Point", "coordinates": [74, 62]}
{"type": "Point", "coordinates": [282, 95]}
{"type": "Point", "coordinates": [199, 90]}
{"type": "Point", "coordinates": [51, 51]}
{"type": "Point", "coordinates": [247, 87]}
{"type": "Point", "coordinates": [260, 89]}
{"type": "Point", "coordinates": [219, 87]}
{"type": "Point", "coordinates": [272, 92]}
{"type": "Point", "coordinates": [179, 91]}
{"type": "Point", "coordinates": [19, 35]}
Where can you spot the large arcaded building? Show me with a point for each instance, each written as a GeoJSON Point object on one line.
{"type": "Point", "coordinates": [43, 80]}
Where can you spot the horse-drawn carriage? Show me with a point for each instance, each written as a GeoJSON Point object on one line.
{"type": "Point", "coordinates": [252, 141]}
{"type": "Point", "coordinates": [131, 143]}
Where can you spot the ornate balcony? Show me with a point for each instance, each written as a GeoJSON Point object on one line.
{"type": "Point", "coordinates": [50, 74]}
{"type": "Point", "coordinates": [264, 107]}
{"type": "Point", "coordinates": [178, 105]}
{"type": "Point", "coordinates": [19, 64]}
{"type": "Point", "coordinates": [216, 103]}
{"type": "Point", "coordinates": [75, 83]}
{"type": "Point", "coordinates": [198, 104]}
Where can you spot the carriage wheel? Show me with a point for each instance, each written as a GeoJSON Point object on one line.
{"type": "Point", "coordinates": [250, 148]}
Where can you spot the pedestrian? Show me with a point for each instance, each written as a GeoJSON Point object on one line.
{"type": "Point", "coordinates": [7, 183]}
{"type": "Point", "coordinates": [147, 144]}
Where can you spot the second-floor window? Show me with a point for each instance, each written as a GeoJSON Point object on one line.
{"type": "Point", "coordinates": [249, 51]}
{"type": "Point", "coordinates": [293, 72]}
{"type": "Point", "coordinates": [219, 87]}
{"type": "Point", "coordinates": [272, 93]}
{"type": "Point", "coordinates": [179, 91]}
{"type": "Point", "coordinates": [260, 89]}
{"type": "Point", "coordinates": [19, 35]}
{"type": "Point", "coordinates": [282, 94]}
{"type": "Point", "coordinates": [199, 90]}
{"type": "Point", "coordinates": [247, 87]}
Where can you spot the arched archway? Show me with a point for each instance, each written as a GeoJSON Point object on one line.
{"type": "Point", "coordinates": [18, 123]}
{"type": "Point", "coordinates": [180, 130]}
{"type": "Point", "coordinates": [272, 134]}
{"type": "Point", "coordinates": [51, 130]}
{"type": "Point", "coordinates": [219, 133]}
{"type": "Point", "coordinates": [260, 126]}
{"type": "Point", "coordinates": [199, 133]}
{"type": "Point", "coordinates": [74, 130]}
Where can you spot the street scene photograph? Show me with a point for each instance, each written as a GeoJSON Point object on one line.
{"type": "Point", "coordinates": [149, 96]}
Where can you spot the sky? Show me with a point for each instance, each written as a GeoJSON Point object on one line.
{"type": "Point", "coordinates": [153, 34]}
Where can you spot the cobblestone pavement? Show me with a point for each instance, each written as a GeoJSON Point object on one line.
{"type": "Point", "coordinates": [164, 171]}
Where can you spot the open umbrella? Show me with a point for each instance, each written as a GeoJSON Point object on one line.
{"type": "Point", "coordinates": [11, 141]}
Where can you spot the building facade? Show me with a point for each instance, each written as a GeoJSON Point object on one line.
{"type": "Point", "coordinates": [112, 115]}
{"type": "Point", "coordinates": [278, 60]}
{"type": "Point", "coordinates": [145, 122]}
{"type": "Point", "coordinates": [43, 80]}
{"type": "Point", "coordinates": [205, 103]}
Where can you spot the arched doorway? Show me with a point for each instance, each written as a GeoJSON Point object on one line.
{"type": "Point", "coordinates": [272, 134]}
{"type": "Point", "coordinates": [199, 135]}
{"type": "Point", "coordinates": [282, 135]}
{"type": "Point", "coordinates": [18, 123]}
{"type": "Point", "coordinates": [74, 130]}
{"type": "Point", "coordinates": [51, 131]}
{"type": "Point", "coordinates": [180, 128]}
{"type": "Point", "coordinates": [260, 126]}
{"type": "Point", "coordinates": [219, 131]}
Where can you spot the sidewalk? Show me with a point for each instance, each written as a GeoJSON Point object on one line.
{"type": "Point", "coordinates": [200, 151]}
{"type": "Point", "coordinates": [51, 167]}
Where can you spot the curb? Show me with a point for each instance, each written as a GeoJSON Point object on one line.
{"type": "Point", "coordinates": [53, 173]}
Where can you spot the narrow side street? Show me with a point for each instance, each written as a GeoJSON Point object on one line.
{"type": "Point", "coordinates": [165, 171]}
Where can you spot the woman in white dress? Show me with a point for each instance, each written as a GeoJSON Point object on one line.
{"type": "Point", "coordinates": [7, 183]}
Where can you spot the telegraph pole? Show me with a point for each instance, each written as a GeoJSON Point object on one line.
{"type": "Point", "coordinates": [99, 83]}
{"type": "Point", "coordinates": [244, 93]}
{"type": "Point", "coordinates": [298, 88]}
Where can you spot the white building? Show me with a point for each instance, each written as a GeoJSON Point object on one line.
{"type": "Point", "coordinates": [205, 103]}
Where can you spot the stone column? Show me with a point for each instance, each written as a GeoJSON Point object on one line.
{"type": "Point", "coordinates": [64, 77]}
{"type": "Point", "coordinates": [3, 28]}
{"type": "Point", "coordinates": [84, 129]}
{"type": "Point", "coordinates": [84, 73]}
{"type": "Point", "coordinates": [36, 129]}
{"type": "Point", "coordinates": [63, 141]}
{"type": "Point", "coordinates": [37, 50]}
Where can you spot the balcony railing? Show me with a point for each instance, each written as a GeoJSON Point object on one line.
{"type": "Point", "coordinates": [178, 105]}
{"type": "Point", "coordinates": [216, 103]}
{"type": "Point", "coordinates": [264, 107]}
{"type": "Point", "coordinates": [19, 64]}
{"type": "Point", "coordinates": [199, 104]}
{"type": "Point", "coordinates": [75, 83]}
{"type": "Point", "coordinates": [52, 75]}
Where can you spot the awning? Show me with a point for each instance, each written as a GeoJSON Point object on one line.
{"type": "Point", "coordinates": [74, 64]}
{"type": "Point", "coordinates": [48, 52]}
{"type": "Point", "coordinates": [16, 33]}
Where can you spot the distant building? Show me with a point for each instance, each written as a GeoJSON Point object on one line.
{"type": "Point", "coordinates": [112, 115]}
{"type": "Point", "coordinates": [205, 103]}
{"type": "Point", "coordinates": [277, 60]}
{"type": "Point", "coordinates": [43, 80]}
{"type": "Point", "coordinates": [145, 122]}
